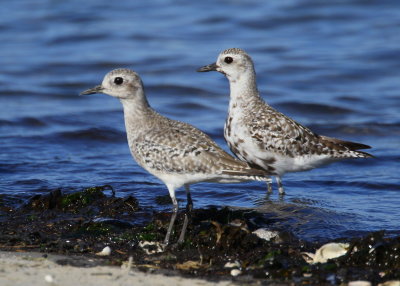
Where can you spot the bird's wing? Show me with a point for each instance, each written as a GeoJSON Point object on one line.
{"type": "Point", "coordinates": [280, 134]}
{"type": "Point", "coordinates": [177, 147]}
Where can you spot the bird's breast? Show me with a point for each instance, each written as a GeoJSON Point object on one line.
{"type": "Point", "coordinates": [236, 135]}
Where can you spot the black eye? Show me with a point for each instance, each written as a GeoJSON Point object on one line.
{"type": "Point", "coordinates": [118, 80]}
{"type": "Point", "coordinates": [228, 60]}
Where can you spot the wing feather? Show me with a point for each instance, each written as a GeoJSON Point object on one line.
{"type": "Point", "coordinates": [281, 134]}
{"type": "Point", "coordinates": [177, 147]}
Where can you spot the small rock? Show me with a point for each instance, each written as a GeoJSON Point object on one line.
{"type": "Point", "coordinates": [266, 234]}
{"type": "Point", "coordinates": [105, 252]}
{"type": "Point", "coordinates": [235, 272]}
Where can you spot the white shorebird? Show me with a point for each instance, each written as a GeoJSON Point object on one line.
{"type": "Point", "coordinates": [175, 152]}
{"type": "Point", "coordinates": [264, 137]}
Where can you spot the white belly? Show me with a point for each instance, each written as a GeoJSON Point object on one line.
{"type": "Point", "coordinates": [253, 151]}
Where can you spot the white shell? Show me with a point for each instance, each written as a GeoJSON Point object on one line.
{"type": "Point", "coordinates": [266, 234]}
{"type": "Point", "coordinates": [235, 264]}
{"type": "Point", "coordinates": [144, 245]}
{"type": "Point", "coordinates": [235, 272]}
{"type": "Point", "coordinates": [325, 252]}
{"type": "Point", "coordinates": [105, 252]}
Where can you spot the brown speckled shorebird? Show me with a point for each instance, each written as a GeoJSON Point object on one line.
{"type": "Point", "coordinates": [264, 137]}
{"type": "Point", "coordinates": [175, 152]}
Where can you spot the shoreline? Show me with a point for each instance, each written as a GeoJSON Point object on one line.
{"type": "Point", "coordinates": [35, 268]}
{"type": "Point", "coordinates": [89, 233]}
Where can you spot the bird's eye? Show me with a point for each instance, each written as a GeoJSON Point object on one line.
{"type": "Point", "coordinates": [118, 80]}
{"type": "Point", "coordinates": [228, 60]}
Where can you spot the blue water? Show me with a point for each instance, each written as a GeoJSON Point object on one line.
{"type": "Point", "coordinates": [331, 65]}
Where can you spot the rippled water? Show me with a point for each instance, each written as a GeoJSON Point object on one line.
{"type": "Point", "coordinates": [331, 65]}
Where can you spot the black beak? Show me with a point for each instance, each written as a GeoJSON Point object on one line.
{"type": "Point", "coordinates": [96, 89]}
{"type": "Point", "coordinates": [207, 68]}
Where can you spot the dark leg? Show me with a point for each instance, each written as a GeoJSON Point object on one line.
{"type": "Point", "coordinates": [269, 187]}
{"type": "Point", "coordinates": [189, 207]}
{"type": "Point", "coordinates": [174, 213]}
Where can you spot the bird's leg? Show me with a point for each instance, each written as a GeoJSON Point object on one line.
{"type": "Point", "coordinates": [174, 213]}
{"type": "Point", "coordinates": [280, 187]}
{"type": "Point", "coordinates": [189, 207]}
{"type": "Point", "coordinates": [171, 223]}
{"type": "Point", "coordinates": [269, 186]}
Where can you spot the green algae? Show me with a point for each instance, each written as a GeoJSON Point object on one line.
{"type": "Point", "coordinates": [82, 199]}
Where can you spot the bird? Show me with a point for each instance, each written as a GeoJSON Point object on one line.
{"type": "Point", "coordinates": [175, 152]}
{"type": "Point", "coordinates": [266, 138]}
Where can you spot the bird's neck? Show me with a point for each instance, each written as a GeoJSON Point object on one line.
{"type": "Point", "coordinates": [243, 89]}
{"type": "Point", "coordinates": [137, 113]}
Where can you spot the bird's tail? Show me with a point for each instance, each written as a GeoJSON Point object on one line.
{"type": "Point", "coordinates": [352, 147]}
{"type": "Point", "coordinates": [248, 175]}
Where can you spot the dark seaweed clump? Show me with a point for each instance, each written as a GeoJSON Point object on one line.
{"type": "Point", "coordinates": [83, 223]}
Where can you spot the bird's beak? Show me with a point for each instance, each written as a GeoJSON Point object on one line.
{"type": "Point", "coordinates": [207, 68]}
{"type": "Point", "coordinates": [96, 89]}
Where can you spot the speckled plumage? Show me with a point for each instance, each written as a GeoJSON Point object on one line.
{"type": "Point", "coordinates": [173, 151]}
{"type": "Point", "coordinates": [264, 137]}
{"type": "Point", "coordinates": [169, 148]}
{"type": "Point", "coordinates": [166, 148]}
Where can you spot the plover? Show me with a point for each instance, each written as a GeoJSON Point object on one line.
{"type": "Point", "coordinates": [264, 137]}
{"type": "Point", "coordinates": [175, 152]}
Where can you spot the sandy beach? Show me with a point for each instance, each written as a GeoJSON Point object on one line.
{"type": "Point", "coordinates": [31, 268]}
